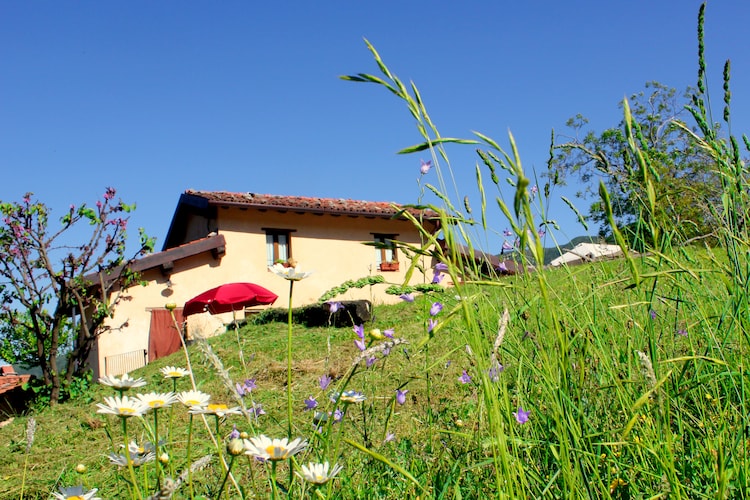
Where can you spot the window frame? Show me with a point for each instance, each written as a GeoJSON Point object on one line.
{"type": "Point", "coordinates": [385, 243]}
{"type": "Point", "coordinates": [274, 245]}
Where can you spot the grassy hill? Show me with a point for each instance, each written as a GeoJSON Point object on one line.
{"type": "Point", "coordinates": [621, 378]}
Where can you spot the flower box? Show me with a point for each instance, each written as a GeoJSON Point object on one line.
{"type": "Point", "coordinates": [389, 266]}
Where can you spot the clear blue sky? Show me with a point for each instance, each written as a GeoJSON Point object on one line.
{"type": "Point", "coordinates": [157, 97]}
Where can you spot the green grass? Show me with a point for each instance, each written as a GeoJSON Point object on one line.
{"type": "Point", "coordinates": [595, 415]}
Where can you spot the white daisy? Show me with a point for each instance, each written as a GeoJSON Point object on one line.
{"type": "Point", "coordinates": [122, 383]}
{"type": "Point", "coordinates": [193, 398]}
{"type": "Point", "coordinates": [289, 273]}
{"type": "Point", "coordinates": [266, 448]}
{"type": "Point", "coordinates": [174, 372]}
{"type": "Point", "coordinates": [352, 397]}
{"type": "Point", "coordinates": [75, 493]}
{"type": "Point", "coordinates": [122, 406]}
{"type": "Point", "coordinates": [220, 410]}
{"type": "Point", "coordinates": [320, 473]}
{"type": "Point", "coordinates": [155, 400]}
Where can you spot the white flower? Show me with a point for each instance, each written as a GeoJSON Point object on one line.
{"type": "Point", "coordinates": [122, 407]}
{"type": "Point", "coordinates": [123, 383]}
{"type": "Point", "coordinates": [320, 473]}
{"type": "Point", "coordinates": [273, 449]}
{"type": "Point", "coordinates": [155, 400]}
{"type": "Point", "coordinates": [289, 273]}
{"type": "Point", "coordinates": [352, 397]}
{"type": "Point", "coordinates": [194, 398]}
{"type": "Point", "coordinates": [174, 372]}
{"type": "Point", "coordinates": [218, 409]}
{"type": "Point", "coordinates": [76, 493]}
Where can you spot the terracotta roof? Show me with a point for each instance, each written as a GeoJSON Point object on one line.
{"type": "Point", "coordinates": [307, 204]}
{"type": "Point", "coordinates": [10, 380]}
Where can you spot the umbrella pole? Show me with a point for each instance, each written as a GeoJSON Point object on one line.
{"type": "Point", "coordinates": [239, 346]}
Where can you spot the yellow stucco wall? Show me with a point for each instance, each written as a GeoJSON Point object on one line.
{"type": "Point", "coordinates": [330, 246]}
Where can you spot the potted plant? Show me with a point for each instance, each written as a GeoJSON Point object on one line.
{"type": "Point", "coordinates": [389, 266]}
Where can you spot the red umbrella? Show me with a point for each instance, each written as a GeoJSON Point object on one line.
{"type": "Point", "coordinates": [229, 297]}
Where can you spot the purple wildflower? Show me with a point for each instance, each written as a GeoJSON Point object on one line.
{"type": "Point", "coordinates": [246, 388]}
{"type": "Point", "coordinates": [652, 313]}
{"type": "Point", "coordinates": [257, 410]}
{"type": "Point", "coordinates": [389, 437]}
{"type": "Point", "coordinates": [386, 350]}
{"type": "Point", "coordinates": [359, 331]}
{"type": "Point", "coordinates": [436, 308]}
{"type": "Point", "coordinates": [311, 403]}
{"type": "Point", "coordinates": [441, 267]}
{"type": "Point", "coordinates": [360, 344]}
{"type": "Point", "coordinates": [325, 381]}
{"type": "Point", "coordinates": [507, 246]}
{"type": "Point", "coordinates": [507, 232]}
{"type": "Point", "coordinates": [495, 370]}
{"type": "Point", "coordinates": [407, 297]}
{"type": "Point", "coordinates": [682, 332]}
{"type": "Point", "coordinates": [431, 324]}
{"type": "Point", "coordinates": [502, 267]}
{"type": "Point", "coordinates": [338, 415]}
{"type": "Point", "coordinates": [389, 333]}
{"type": "Point", "coordinates": [425, 166]}
{"type": "Point", "coordinates": [334, 307]}
{"type": "Point", "coordinates": [541, 233]}
{"type": "Point", "coordinates": [437, 278]}
{"type": "Point", "coordinates": [370, 361]}
{"type": "Point", "coordinates": [401, 396]}
{"type": "Point", "coordinates": [464, 378]}
{"type": "Point", "coordinates": [521, 416]}
{"type": "Point", "coordinates": [235, 434]}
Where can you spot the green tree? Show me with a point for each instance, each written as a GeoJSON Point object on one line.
{"type": "Point", "coordinates": [51, 309]}
{"type": "Point", "coordinates": [686, 183]}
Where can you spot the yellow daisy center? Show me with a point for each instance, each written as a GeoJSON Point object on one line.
{"type": "Point", "coordinates": [192, 402]}
{"type": "Point", "coordinates": [275, 452]}
{"type": "Point", "coordinates": [127, 411]}
{"type": "Point", "coordinates": [76, 497]}
{"type": "Point", "coordinates": [155, 403]}
{"type": "Point", "coordinates": [217, 407]}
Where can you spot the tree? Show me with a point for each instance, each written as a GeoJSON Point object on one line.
{"type": "Point", "coordinates": [685, 184]}
{"type": "Point", "coordinates": [50, 306]}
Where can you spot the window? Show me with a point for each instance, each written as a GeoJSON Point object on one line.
{"type": "Point", "coordinates": [278, 245]}
{"type": "Point", "coordinates": [385, 252]}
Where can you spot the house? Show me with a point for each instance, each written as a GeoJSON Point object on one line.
{"type": "Point", "coordinates": [218, 237]}
{"type": "Point", "coordinates": [13, 398]}
{"type": "Point", "coordinates": [587, 252]}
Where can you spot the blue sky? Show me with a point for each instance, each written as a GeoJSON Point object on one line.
{"type": "Point", "coordinates": [157, 97]}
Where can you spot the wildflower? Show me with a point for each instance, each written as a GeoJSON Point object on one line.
{"type": "Point", "coordinates": [352, 397]}
{"type": "Point", "coordinates": [401, 396]}
{"type": "Point", "coordinates": [407, 297]}
{"type": "Point", "coordinates": [425, 166]}
{"type": "Point", "coordinates": [652, 313]}
{"type": "Point", "coordinates": [257, 410]}
{"type": "Point", "coordinates": [507, 233]}
{"type": "Point", "coordinates": [494, 371]}
{"type": "Point", "coordinates": [311, 403]}
{"type": "Point", "coordinates": [274, 450]}
{"type": "Point", "coordinates": [235, 433]}
{"type": "Point", "coordinates": [123, 383]}
{"type": "Point", "coordinates": [431, 324]}
{"type": "Point", "coordinates": [75, 493]}
{"type": "Point", "coordinates": [360, 344]}
{"type": "Point", "coordinates": [389, 333]}
{"type": "Point", "coordinates": [319, 473]}
{"type": "Point", "coordinates": [389, 437]}
{"type": "Point", "coordinates": [324, 381]}
{"type": "Point", "coordinates": [334, 307]}
{"type": "Point", "coordinates": [441, 267]}
{"type": "Point", "coordinates": [122, 407]}
{"type": "Point", "coordinates": [521, 416]}
{"type": "Point", "coordinates": [218, 409]}
{"type": "Point", "coordinates": [359, 331]}
{"type": "Point", "coordinates": [164, 458]}
{"type": "Point", "coordinates": [246, 388]}
{"type": "Point", "coordinates": [289, 273]}
{"type": "Point", "coordinates": [236, 447]}
{"type": "Point", "coordinates": [507, 246]}
{"type": "Point", "coordinates": [155, 400]}
{"type": "Point", "coordinates": [338, 415]}
{"type": "Point", "coordinates": [465, 378]}
{"type": "Point", "coordinates": [682, 332]}
{"type": "Point", "coordinates": [502, 267]}
{"type": "Point", "coordinates": [370, 361]}
{"type": "Point", "coordinates": [136, 459]}
{"type": "Point", "coordinates": [376, 334]}
{"type": "Point", "coordinates": [80, 468]}
{"type": "Point", "coordinates": [541, 233]}
{"type": "Point", "coordinates": [193, 398]}
{"type": "Point", "coordinates": [437, 278]}
{"type": "Point", "coordinates": [436, 308]}
{"type": "Point", "coordinates": [534, 190]}
{"type": "Point", "coordinates": [174, 372]}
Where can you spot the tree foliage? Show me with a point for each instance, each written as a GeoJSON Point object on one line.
{"type": "Point", "coordinates": [686, 185]}
{"type": "Point", "coordinates": [55, 295]}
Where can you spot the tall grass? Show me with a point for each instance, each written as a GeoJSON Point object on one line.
{"type": "Point", "coordinates": [620, 379]}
